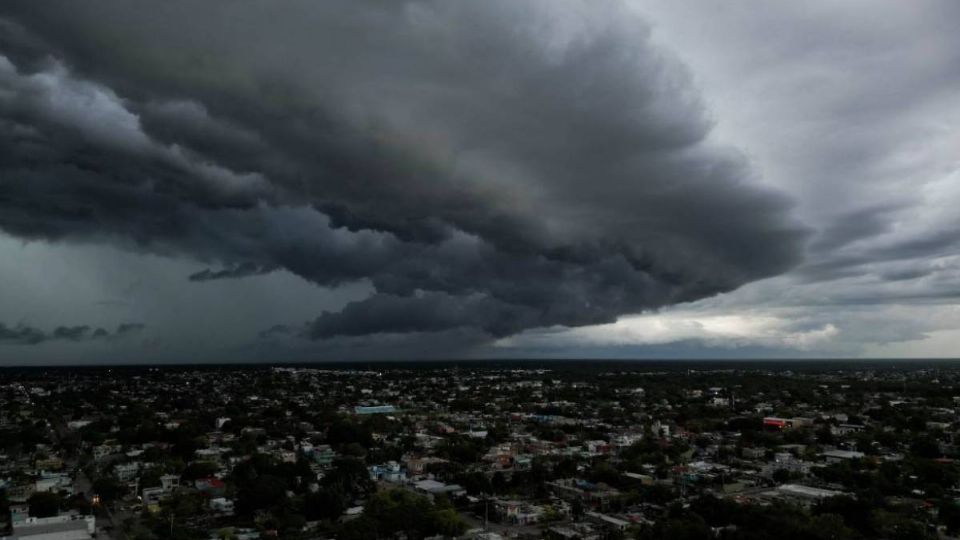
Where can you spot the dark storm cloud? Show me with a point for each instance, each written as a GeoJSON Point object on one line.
{"type": "Point", "coordinates": [897, 260]}
{"type": "Point", "coordinates": [27, 335]}
{"type": "Point", "coordinates": [127, 329]}
{"type": "Point", "coordinates": [232, 272]}
{"type": "Point", "coordinates": [854, 226]}
{"type": "Point", "coordinates": [464, 342]}
{"type": "Point", "coordinates": [277, 330]}
{"type": "Point", "coordinates": [906, 274]}
{"type": "Point", "coordinates": [21, 334]}
{"type": "Point", "coordinates": [493, 165]}
{"type": "Point", "coordinates": [426, 313]}
{"type": "Point", "coordinates": [71, 333]}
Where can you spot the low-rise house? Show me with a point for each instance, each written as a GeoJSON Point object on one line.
{"type": "Point", "coordinates": [836, 456]}
{"type": "Point", "coordinates": [609, 523]}
{"type": "Point", "coordinates": [63, 526]}
{"type": "Point", "coordinates": [127, 471]}
{"type": "Point", "coordinates": [594, 495]}
{"type": "Point", "coordinates": [169, 482]}
{"type": "Point", "coordinates": [221, 506]}
{"type": "Point", "coordinates": [805, 495]}
{"type": "Point", "coordinates": [389, 472]}
{"type": "Point", "coordinates": [54, 482]}
{"type": "Point", "coordinates": [52, 463]}
{"type": "Point", "coordinates": [151, 498]}
{"type": "Point", "coordinates": [374, 409]}
{"type": "Point", "coordinates": [322, 455]}
{"type": "Point", "coordinates": [213, 487]}
{"type": "Point", "coordinates": [846, 429]}
{"type": "Point", "coordinates": [517, 512]}
{"type": "Point", "coordinates": [432, 488]}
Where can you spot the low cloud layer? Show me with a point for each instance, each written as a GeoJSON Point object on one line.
{"type": "Point", "coordinates": [22, 334]}
{"type": "Point", "coordinates": [488, 166]}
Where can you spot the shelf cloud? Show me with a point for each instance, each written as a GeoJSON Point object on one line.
{"type": "Point", "coordinates": [493, 166]}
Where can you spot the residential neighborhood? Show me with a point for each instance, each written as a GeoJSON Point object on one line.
{"type": "Point", "coordinates": [498, 450]}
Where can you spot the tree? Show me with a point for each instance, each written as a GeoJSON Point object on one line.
{"type": "Point", "coordinates": [688, 527]}
{"type": "Point", "coordinates": [263, 492]}
{"type": "Point", "coordinates": [476, 483]}
{"type": "Point", "coordinates": [187, 439]}
{"type": "Point", "coordinates": [781, 476]}
{"type": "Point", "coordinates": [199, 469]}
{"type": "Point", "coordinates": [857, 513]}
{"type": "Point", "coordinates": [565, 468]}
{"type": "Point", "coordinates": [79, 503]}
{"type": "Point", "coordinates": [461, 449]}
{"type": "Point", "coordinates": [448, 522]}
{"type": "Point", "coordinates": [44, 504]}
{"type": "Point", "coordinates": [576, 509]}
{"type": "Point", "coordinates": [825, 436]}
{"type": "Point", "coordinates": [362, 528]}
{"type": "Point", "coordinates": [327, 503]}
{"type": "Point", "coordinates": [949, 515]}
{"type": "Point", "coordinates": [108, 488]}
{"type": "Point", "coordinates": [342, 432]}
{"type": "Point", "coordinates": [827, 527]}
{"type": "Point", "coordinates": [184, 505]}
{"type": "Point", "coordinates": [896, 527]}
{"type": "Point", "coordinates": [150, 478]}
{"type": "Point", "coordinates": [401, 511]}
{"type": "Point", "coordinates": [498, 482]}
{"type": "Point", "coordinates": [350, 476]}
{"type": "Point", "coordinates": [925, 447]}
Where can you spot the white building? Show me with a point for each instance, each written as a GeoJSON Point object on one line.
{"type": "Point", "coordinates": [66, 526]}
{"type": "Point", "coordinates": [222, 505]}
{"type": "Point", "coordinates": [835, 456]}
{"type": "Point", "coordinates": [806, 493]}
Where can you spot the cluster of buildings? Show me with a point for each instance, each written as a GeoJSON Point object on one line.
{"type": "Point", "coordinates": [516, 451]}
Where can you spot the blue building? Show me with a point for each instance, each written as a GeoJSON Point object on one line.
{"type": "Point", "coordinates": [377, 409]}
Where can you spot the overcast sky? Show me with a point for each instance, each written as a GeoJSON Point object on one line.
{"type": "Point", "coordinates": [188, 181]}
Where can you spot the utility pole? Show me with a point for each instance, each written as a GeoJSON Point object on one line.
{"type": "Point", "coordinates": [486, 512]}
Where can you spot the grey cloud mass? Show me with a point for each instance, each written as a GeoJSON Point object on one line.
{"type": "Point", "coordinates": [851, 108]}
{"type": "Point", "coordinates": [235, 271]}
{"type": "Point", "coordinates": [490, 166]}
{"type": "Point", "coordinates": [22, 334]}
{"type": "Point", "coordinates": [261, 181]}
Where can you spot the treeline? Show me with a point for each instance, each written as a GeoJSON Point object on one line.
{"type": "Point", "coordinates": [839, 518]}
